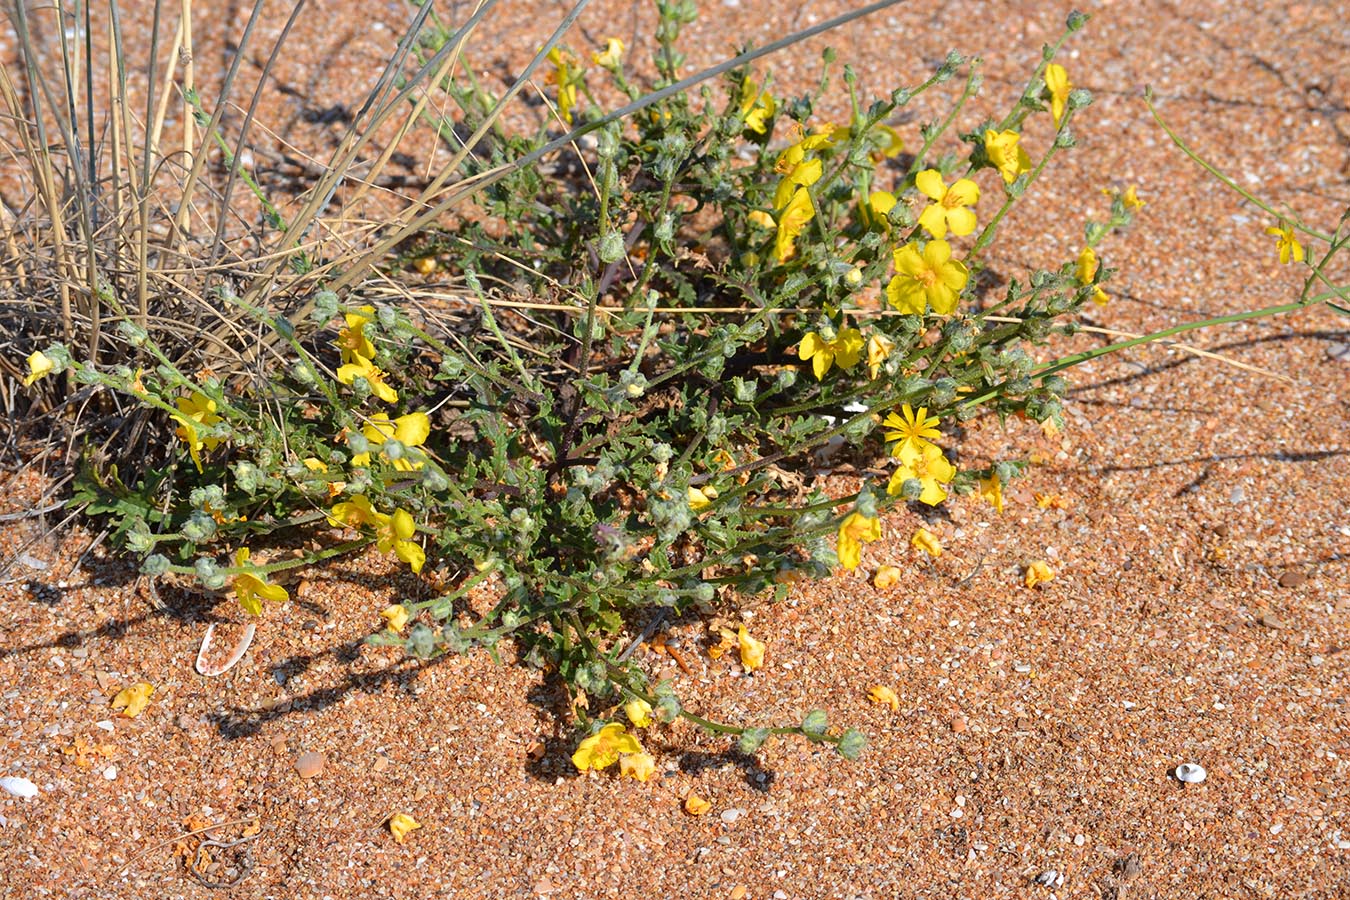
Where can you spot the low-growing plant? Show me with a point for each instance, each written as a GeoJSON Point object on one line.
{"type": "Point", "coordinates": [611, 424]}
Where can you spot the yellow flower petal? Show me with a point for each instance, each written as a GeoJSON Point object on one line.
{"type": "Point", "coordinates": [638, 766]}
{"type": "Point", "coordinates": [639, 712]}
{"type": "Point", "coordinates": [752, 651]}
{"type": "Point", "coordinates": [401, 824]}
{"type": "Point", "coordinates": [886, 577]}
{"type": "Point", "coordinates": [926, 541]}
{"type": "Point", "coordinates": [39, 366]}
{"type": "Point", "coordinates": [133, 700]}
{"type": "Point", "coordinates": [879, 693]}
{"type": "Point", "coordinates": [1036, 573]}
{"type": "Point", "coordinates": [696, 805]}
{"type": "Point", "coordinates": [396, 617]}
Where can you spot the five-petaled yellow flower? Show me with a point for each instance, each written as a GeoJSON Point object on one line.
{"type": "Point", "coordinates": [1006, 154]}
{"type": "Point", "coordinates": [927, 278]}
{"type": "Point", "coordinates": [1087, 271]}
{"type": "Point", "coordinates": [1131, 199]}
{"type": "Point", "coordinates": [1288, 245]}
{"type": "Point", "coordinates": [40, 365]}
{"type": "Point", "coordinates": [853, 532]}
{"type": "Point", "coordinates": [876, 211]}
{"type": "Point", "coordinates": [196, 411]}
{"type": "Point", "coordinates": [411, 430]}
{"type": "Point", "coordinates": [792, 221]}
{"type": "Point", "coordinates": [910, 429]}
{"type": "Point", "coordinates": [395, 533]}
{"type": "Point", "coordinates": [352, 340]}
{"type": "Point", "coordinates": [757, 107]}
{"type": "Point", "coordinates": [929, 466]}
{"type": "Point", "coordinates": [844, 351]}
{"type": "Point", "coordinates": [879, 347]}
{"type": "Point", "coordinates": [949, 206]}
{"type": "Point", "coordinates": [612, 57]}
{"type": "Point", "coordinates": [1057, 82]}
{"type": "Point", "coordinates": [602, 749]}
{"type": "Point", "coordinates": [354, 513]}
{"type": "Point", "coordinates": [248, 587]}
{"type": "Point", "coordinates": [991, 491]}
{"type": "Point", "coordinates": [360, 367]}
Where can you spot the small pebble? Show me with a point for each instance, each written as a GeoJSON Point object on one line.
{"type": "Point", "coordinates": [110, 773]}
{"type": "Point", "coordinates": [738, 892]}
{"type": "Point", "coordinates": [1237, 495]}
{"type": "Point", "coordinates": [19, 787]}
{"type": "Point", "coordinates": [959, 724]}
{"type": "Point", "coordinates": [731, 815]}
{"type": "Point", "coordinates": [1049, 878]}
{"type": "Point", "coordinates": [1191, 773]}
{"type": "Point", "coordinates": [1293, 578]}
{"type": "Point", "coordinates": [1339, 352]}
{"type": "Point", "coordinates": [106, 725]}
{"type": "Point", "coordinates": [1079, 840]}
{"type": "Point", "coordinates": [310, 764]}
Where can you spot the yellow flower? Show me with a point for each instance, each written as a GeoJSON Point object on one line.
{"type": "Point", "coordinates": [314, 464]}
{"type": "Point", "coordinates": [1087, 270]}
{"type": "Point", "coordinates": [196, 411]}
{"type": "Point", "coordinates": [931, 278]}
{"type": "Point", "coordinates": [991, 490]}
{"type": "Point", "coordinates": [757, 107]}
{"type": "Point", "coordinates": [879, 693]}
{"type": "Point", "coordinates": [792, 221]}
{"type": "Point", "coordinates": [926, 541]}
{"type": "Point", "coordinates": [411, 430]}
{"type": "Point", "coordinates": [565, 76]}
{"type": "Point", "coordinates": [701, 498]}
{"type": "Point", "coordinates": [929, 467]}
{"type": "Point", "coordinates": [396, 617]}
{"type": "Point", "coordinates": [879, 346]}
{"type": "Point", "coordinates": [638, 766]}
{"type": "Point", "coordinates": [1006, 154]}
{"type": "Point", "coordinates": [696, 805]}
{"type": "Point", "coordinates": [401, 824]}
{"type": "Point", "coordinates": [352, 340]}
{"type": "Point", "coordinates": [1057, 82]}
{"type": "Point", "coordinates": [395, 533]}
{"type": "Point", "coordinates": [890, 143]}
{"type": "Point", "coordinates": [39, 366]}
{"type": "Point", "coordinates": [752, 651]}
{"type": "Point", "coordinates": [879, 204]}
{"type": "Point", "coordinates": [354, 513]}
{"type": "Point", "coordinates": [845, 351]}
{"type": "Point", "coordinates": [762, 219]}
{"type": "Point", "coordinates": [949, 206]}
{"type": "Point", "coordinates": [797, 170]}
{"type": "Point", "coordinates": [133, 700]}
{"type": "Point", "coordinates": [1037, 573]}
{"type": "Point", "coordinates": [853, 531]}
{"type": "Point", "coordinates": [364, 368]}
{"type": "Point", "coordinates": [1132, 200]}
{"type": "Point", "coordinates": [887, 577]}
{"type": "Point", "coordinates": [612, 57]}
{"type": "Point", "coordinates": [248, 587]}
{"type": "Point", "coordinates": [1288, 245]}
{"type": "Point", "coordinates": [602, 749]}
{"type": "Point", "coordinates": [639, 712]}
{"type": "Point", "coordinates": [913, 430]}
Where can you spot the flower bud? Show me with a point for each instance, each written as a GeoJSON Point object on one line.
{"type": "Point", "coordinates": [815, 723]}
{"type": "Point", "coordinates": [154, 565]}
{"type": "Point", "coordinates": [851, 744]}
{"type": "Point", "coordinates": [752, 739]}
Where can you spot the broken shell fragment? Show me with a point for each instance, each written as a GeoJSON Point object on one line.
{"type": "Point", "coordinates": [1190, 773]}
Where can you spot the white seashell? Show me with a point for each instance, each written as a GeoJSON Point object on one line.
{"type": "Point", "coordinates": [19, 787]}
{"type": "Point", "coordinates": [1191, 773]}
{"type": "Point", "coordinates": [205, 668]}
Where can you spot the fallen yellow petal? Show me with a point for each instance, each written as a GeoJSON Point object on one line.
{"type": "Point", "coordinates": [752, 651]}
{"type": "Point", "coordinates": [696, 805]}
{"type": "Point", "coordinates": [879, 693]}
{"type": "Point", "coordinates": [133, 700]}
{"type": "Point", "coordinates": [638, 766]}
{"type": "Point", "coordinates": [886, 577]}
{"type": "Point", "coordinates": [639, 712]}
{"type": "Point", "coordinates": [727, 642]}
{"type": "Point", "coordinates": [926, 541]}
{"type": "Point", "coordinates": [1037, 572]}
{"type": "Point", "coordinates": [396, 617]}
{"type": "Point", "coordinates": [400, 824]}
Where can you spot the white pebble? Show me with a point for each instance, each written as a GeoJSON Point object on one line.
{"type": "Point", "coordinates": [1191, 773]}
{"type": "Point", "coordinates": [106, 725]}
{"type": "Point", "coordinates": [19, 787]}
{"type": "Point", "coordinates": [731, 815]}
{"type": "Point", "coordinates": [110, 773]}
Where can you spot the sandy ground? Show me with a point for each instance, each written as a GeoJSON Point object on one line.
{"type": "Point", "coordinates": [1200, 612]}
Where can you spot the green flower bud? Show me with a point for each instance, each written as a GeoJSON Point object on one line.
{"type": "Point", "coordinates": [199, 527]}
{"type": "Point", "coordinates": [421, 642]}
{"type": "Point", "coordinates": [611, 247]}
{"type": "Point", "coordinates": [667, 709]}
{"type": "Point", "coordinates": [752, 739]}
{"type": "Point", "coordinates": [154, 565]}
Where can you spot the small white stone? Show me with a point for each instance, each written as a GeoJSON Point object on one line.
{"type": "Point", "coordinates": [106, 725]}
{"type": "Point", "coordinates": [19, 787]}
{"type": "Point", "coordinates": [731, 815]}
{"type": "Point", "coordinates": [110, 773]}
{"type": "Point", "coordinates": [958, 813]}
{"type": "Point", "coordinates": [1191, 773]}
{"type": "Point", "coordinates": [1079, 840]}
{"type": "Point", "coordinates": [1276, 828]}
